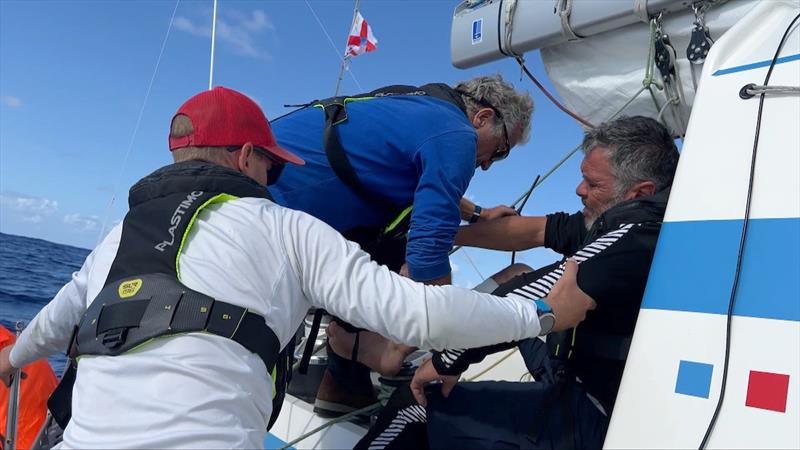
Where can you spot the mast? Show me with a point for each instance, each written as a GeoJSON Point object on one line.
{"type": "Point", "coordinates": [346, 58]}
{"type": "Point", "coordinates": [213, 36]}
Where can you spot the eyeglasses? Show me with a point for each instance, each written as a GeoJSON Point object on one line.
{"type": "Point", "coordinates": [499, 153]}
{"type": "Point", "coordinates": [277, 164]}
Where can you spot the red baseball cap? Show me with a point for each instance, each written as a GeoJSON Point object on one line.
{"type": "Point", "coordinates": [222, 117]}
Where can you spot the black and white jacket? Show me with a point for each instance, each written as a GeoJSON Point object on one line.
{"type": "Point", "coordinates": [614, 257]}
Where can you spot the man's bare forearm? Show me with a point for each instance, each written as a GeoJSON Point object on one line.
{"type": "Point", "coordinates": [465, 208]}
{"type": "Point", "coordinates": [507, 233]}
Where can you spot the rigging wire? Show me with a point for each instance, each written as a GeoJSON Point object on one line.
{"type": "Point", "coordinates": [740, 256]}
{"type": "Point", "coordinates": [472, 263]}
{"type": "Point", "coordinates": [336, 50]}
{"type": "Point", "coordinates": [345, 417]}
{"type": "Point", "coordinates": [519, 211]}
{"type": "Point", "coordinates": [136, 127]}
{"type": "Point", "coordinates": [550, 96]}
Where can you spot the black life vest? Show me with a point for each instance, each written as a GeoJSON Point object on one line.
{"type": "Point", "coordinates": [143, 299]}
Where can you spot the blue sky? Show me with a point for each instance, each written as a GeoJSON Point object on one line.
{"type": "Point", "coordinates": [74, 75]}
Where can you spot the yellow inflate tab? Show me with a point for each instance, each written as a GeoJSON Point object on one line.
{"type": "Point", "coordinates": [129, 288]}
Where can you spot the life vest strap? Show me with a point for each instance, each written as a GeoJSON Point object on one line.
{"type": "Point", "coordinates": [113, 324]}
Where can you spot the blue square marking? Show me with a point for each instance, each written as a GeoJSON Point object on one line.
{"type": "Point", "coordinates": [477, 31]}
{"type": "Point", "coordinates": [694, 378]}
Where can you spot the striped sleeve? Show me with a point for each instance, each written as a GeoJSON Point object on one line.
{"type": "Point", "coordinates": [454, 362]}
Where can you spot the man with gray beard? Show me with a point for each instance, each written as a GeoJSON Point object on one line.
{"type": "Point", "coordinates": [628, 167]}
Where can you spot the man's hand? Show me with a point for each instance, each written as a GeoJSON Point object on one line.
{"type": "Point", "coordinates": [425, 374]}
{"type": "Point", "coordinates": [6, 369]}
{"type": "Point", "coordinates": [497, 212]}
{"type": "Point", "coordinates": [568, 301]}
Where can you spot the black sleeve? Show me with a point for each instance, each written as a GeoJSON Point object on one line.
{"type": "Point", "coordinates": [616, 279]}
{"type": "Point", "coordinates": [564, 233]}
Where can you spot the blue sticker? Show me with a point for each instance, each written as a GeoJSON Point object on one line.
{"type": "Point", "coordinates": [477, 31]}
{"type": "Point", "coordinates": [694, 378]}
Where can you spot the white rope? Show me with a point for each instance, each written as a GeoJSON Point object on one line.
{"type": "Point", "coordinates": [758, 90]}
{"type": "Point", "coordinates": [336, 50]}
{"type": "Point", "coordinates": [124, 165]}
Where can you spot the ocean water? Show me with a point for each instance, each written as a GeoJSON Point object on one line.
{"type": "Point", "coordinates": [31, 273]}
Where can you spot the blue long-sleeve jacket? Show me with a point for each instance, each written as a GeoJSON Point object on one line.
{"type": "Point", "coordinates": [406, 149]}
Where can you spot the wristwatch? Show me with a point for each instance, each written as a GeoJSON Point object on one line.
{"type": "Point", "coordinates": [476, 214]}
{"type": "Point", "coordinates": [547, 318]}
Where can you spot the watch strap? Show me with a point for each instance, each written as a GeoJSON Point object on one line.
{"type": "Point", "coordinates": [476, 214]}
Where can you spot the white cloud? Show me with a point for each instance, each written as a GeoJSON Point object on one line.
{"type": "Point", "coordinates": [183, 24]}
{"type": "Point", "coordinates": [32, 209]}
{"type": "Point", "coordinates": [235, 28]}
{"type": "Point", "coordinates": [257, 22]}
{"type": "Point", "coordinates": [33, 219]}
{"type": "Point", "coordinates": [81, 222]}
{"type": "Point", "coordinates": [22, 202]}
{"type": "Point", "coordinates": [11, 101]}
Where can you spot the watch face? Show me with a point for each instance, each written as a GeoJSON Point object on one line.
{"type": "Point", "coordinates": [546, 322]}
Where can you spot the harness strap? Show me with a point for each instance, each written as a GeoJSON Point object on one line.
{"type": "Point", "coordinates": [302, 368]}
{"type": "Point", "coordinates": [193, 312]}
{"type": "Point", "coordinates": [336, 113]}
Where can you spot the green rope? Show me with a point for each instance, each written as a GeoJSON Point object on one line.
{"type": "Point", "coordinates": [547, 174]}
{"type": "Point", "coordinates": [332, 422]}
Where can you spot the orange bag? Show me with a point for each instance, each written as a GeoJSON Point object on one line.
{"type": "Point", "coordinates": [37, 385]}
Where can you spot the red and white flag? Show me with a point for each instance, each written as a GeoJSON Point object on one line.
{"type": "Point", "coordinates": [361, 39]}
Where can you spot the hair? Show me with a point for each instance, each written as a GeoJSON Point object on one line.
{"type": "Point", "coordinates": [182, 126]}
{"type": "Point", "coordinates": [515, 107]}
{"type": "Point", "coordinates": [640, 149]}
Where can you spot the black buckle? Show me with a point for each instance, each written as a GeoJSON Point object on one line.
{"type": "Point", "coordinates": [114, 338]}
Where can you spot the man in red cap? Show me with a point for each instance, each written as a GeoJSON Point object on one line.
{"type": "Point", "coordinates": [180, 315]}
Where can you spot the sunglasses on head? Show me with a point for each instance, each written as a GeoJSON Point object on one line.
{"type": "Point", "coordinates": [499, 153]}
{"type": "Point", "coordinates": [277, 165]}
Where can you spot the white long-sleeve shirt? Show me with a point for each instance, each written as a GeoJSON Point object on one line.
{"type": "Point", "coordinates": [203, 391]}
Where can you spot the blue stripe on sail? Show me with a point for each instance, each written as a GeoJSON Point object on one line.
{"type": "Point", "coordinates": [755, 65]}
{"type": "Point", "coordinates": [273, 442]}
{"type": "Point", "coordinates": [694, 266]}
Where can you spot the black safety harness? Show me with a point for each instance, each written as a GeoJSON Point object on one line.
{"type": "Point", "coordinates": [336, 114]}
{"type": "Point", "coordinates": [143, 299]}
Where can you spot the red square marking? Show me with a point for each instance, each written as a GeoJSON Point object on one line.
{"type": "Point", "coordinates": [767, 390]}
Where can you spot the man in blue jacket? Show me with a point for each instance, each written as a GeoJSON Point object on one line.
{"type": "Point", "coordinates": [371, 157]}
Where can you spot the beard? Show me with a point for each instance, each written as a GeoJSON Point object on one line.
{"type": "Point", "coordinates": [590, 215]}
